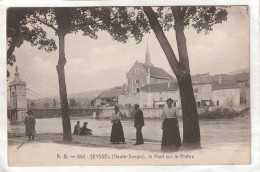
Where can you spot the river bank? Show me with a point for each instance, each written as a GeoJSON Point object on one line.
{"type": "Point", "coordinates": [48, 150]}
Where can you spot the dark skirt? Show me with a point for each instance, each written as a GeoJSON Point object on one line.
{"type": "Point", "coordinates": [171, 140]}
{"type": "Point", "coordinates": [117, 133]}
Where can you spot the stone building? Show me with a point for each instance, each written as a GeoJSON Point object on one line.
{"type": "Point", "coordinates": [155, 95]}
{"type": "Point", "coordinates": [18, 104]}
{"type": "Point", "coordinates": [243, 81]}
{"type": "Point", "coordinates": [202, 88]}
{"type": "Point", "coordinates": [150, 87]}
{"type": "Point", "coordinates": [145, 73]}
{"type": "Point", "coordinates": [225, 93]}
{"type": "Point", "coordinates": [109, 97]}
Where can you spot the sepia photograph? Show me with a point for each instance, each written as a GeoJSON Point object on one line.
{"type": "Point", "coordinates": [128, 85]}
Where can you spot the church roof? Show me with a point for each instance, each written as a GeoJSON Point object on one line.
{"type": "Point", "coordinates": [201, 79]}
{"type": "Point", "coordinates": [173, 86]}
{"type": "Point", "coordinates": [110, 93]}
{"type": "Point", "coordinates": [157, 72]}
{"type": "Point", "coordinates": [225, 84]}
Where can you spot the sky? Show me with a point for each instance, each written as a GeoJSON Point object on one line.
{"type": "Point", "coordinates": [103, 63]}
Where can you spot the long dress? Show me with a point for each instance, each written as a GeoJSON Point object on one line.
{"type": "Point", "coordinates": [117, 133]}
{"type": "Point", "coordinates": [30, 126]}
{"type": "Point", "coordinates": [171, 139]}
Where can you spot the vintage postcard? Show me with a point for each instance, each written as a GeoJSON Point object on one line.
{"type": "Point", "coordinates": [128, 85]}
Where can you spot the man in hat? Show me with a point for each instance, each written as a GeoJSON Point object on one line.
{"type": "Point", "coordinates": [85, 130]}
{"type": "Point", "coordinates": [77, 129]}
{"type": "Point", "coordinates": [138, 124]}
{"type": "Point", "coordinates": [30, 125]}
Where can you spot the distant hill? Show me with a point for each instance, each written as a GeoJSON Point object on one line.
{"type": "Point", "coordinates": [88, 94]}
{"type": "Point", "coordinates": [245, 70]}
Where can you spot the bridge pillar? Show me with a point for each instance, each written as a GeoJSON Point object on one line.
{"type": "Point", "coordinates": [18, 103]}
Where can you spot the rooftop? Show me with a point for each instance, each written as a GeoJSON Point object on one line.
{"type": "Point", "coordinates": [110, 93]}
{"type": "Point", "coordinates": [157, 72]}
{"type": "Point", "coordinates": [172, 86]}
{"type": "Point", "coordinates": [224, 84]}
{"type": "Point", "coordinates": [201, 79]}
{"type": "Point", "coordinates": [242, 77]}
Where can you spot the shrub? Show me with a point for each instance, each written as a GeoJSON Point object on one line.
{"type": "Point", "coordinates": [219, 113]}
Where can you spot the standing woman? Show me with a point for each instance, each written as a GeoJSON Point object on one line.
{"type": "Point", "coordinates": [117, 133]}
{"type": "Point", "coordinates": [30, 125]}
{"type": "Point", "coordinates": [171, 139]}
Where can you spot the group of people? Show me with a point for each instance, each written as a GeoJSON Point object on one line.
{"type": "Point", "coordinates": [82, 131]}
{"type": "Point", "coordinates": [117, 133]}
{"type": "Point", "coordinates": [171, 140]}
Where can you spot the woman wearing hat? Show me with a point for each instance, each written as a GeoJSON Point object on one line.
{"type": "Point", "coordinates": [85, 130]}
{"type": "Point", "coordinates": [30, 125]}
{"type": "Point", "coordinates": [117, 133]}
{"type": "Point", "coordinates": [171, 139]}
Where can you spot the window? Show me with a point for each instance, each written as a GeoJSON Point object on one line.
{"type": "Point", "coordinates": [196, 90]}
{"type": "Point", "coordinates": [174, 104]}
{"type": "Point", "coordinates": [137, 81]}
{"type": "Point", "coordinates": [136, 71]}
{"type": "Point", "coordinates": [137, 90]}
{"type": "Point", "coordinates": [198, 103]}
{"type": "Point", "coordinates": [217, 103]}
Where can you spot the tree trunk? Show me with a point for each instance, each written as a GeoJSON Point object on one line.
{"type": "Point", "coordinates": [67, 137]}
{"type": "Point", "coordinates": [191, 130]}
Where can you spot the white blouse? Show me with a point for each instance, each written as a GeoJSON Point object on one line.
{"type": "Point", "coordinates": [169, 113]}
{"type": "Point", "coordinates": [116, 116]}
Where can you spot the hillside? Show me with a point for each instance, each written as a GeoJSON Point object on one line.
{"type": "Point", "coordinates": [244, 70]}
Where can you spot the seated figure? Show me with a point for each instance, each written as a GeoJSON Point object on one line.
{"type": "Point", "coordinates": [77, 129]}
{"type": "Point", "coordinates": [85, 130]}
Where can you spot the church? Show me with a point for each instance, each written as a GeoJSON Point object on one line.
{"type": "Point", "coordinates": [145, 73]}
{"type": "Point", "coordinates": [150, 87]}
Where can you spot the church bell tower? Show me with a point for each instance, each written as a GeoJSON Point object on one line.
{"type": "Point", "coordinates": [147, 57]}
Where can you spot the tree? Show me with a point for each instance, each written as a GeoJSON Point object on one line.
{"type": "Point", "coordinates": [73, 102]}
{"type": "Point", "coordinates": [178, 18]}
{"type": "Point", "coordinates": [18, 33]}
{"type": "Point", "coordinates": [63, 21]}
{"type": "Point", "coordinates": [134, 24]}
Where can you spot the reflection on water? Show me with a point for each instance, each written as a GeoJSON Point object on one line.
{"type": "Point", "coordinates": [232, 131]}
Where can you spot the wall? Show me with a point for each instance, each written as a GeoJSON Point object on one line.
{"type": "Point", "coordinates": [206, 92]}
{"type": "Point", "coordinates": [226, 97]}
{"type": "Point", "coordinates": [50, 113]}
{"type": "Point", "coordinates": [148, 112]}
{"type": "Point", "coordinates": [132, 99]}
{"type": "Point", "coordinates": [147, 98]}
